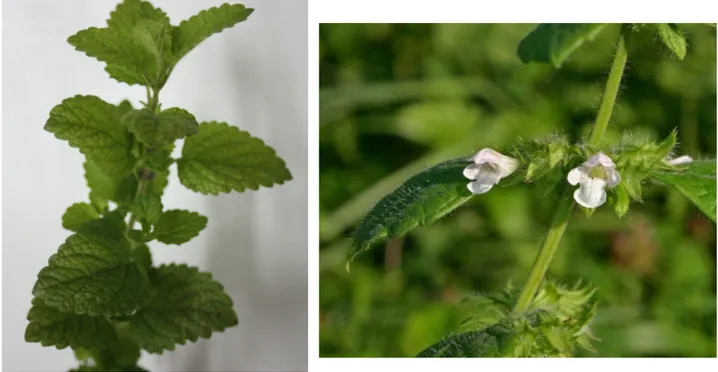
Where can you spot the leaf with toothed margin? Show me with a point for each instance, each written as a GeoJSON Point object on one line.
{"type": "Point", "coordinates": [420, 201]}
{"type": "Point", "coordinates": [179, 226]}
{"type": "Point", "coordinates": [191, 32]}
{"type": "Point", "coordinates": [222, 158]}
{"type": "Point", "coordinates": [136, 46]}
{"type": "Point", "coordinates": [52, 327]}
{"type": "Point", "coordinates": [94, 127]}
{"type": "Point", "coordinates": [77, 215]}
{"type": "Point", "coordinates": [94, 272]}
{"type": "Point", "coordinates": [189, 304]}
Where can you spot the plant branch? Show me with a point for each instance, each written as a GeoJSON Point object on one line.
{"type": "Point", "coordinates": [566, 205]}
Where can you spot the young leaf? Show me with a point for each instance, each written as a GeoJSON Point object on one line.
{"type": "Point", "coordinates": [222, 158]}
{"type": "Point", "coordinates": [189, 304]}
{"type": "Point", "coordinates": [136, 45]}
{"type": "Point", "coordinates": [189, 33]}
{"type": "Point", "coordinates": [147, 207]}
{"type": "Point", "coordinates": [159, 160]}
{"type": "Point", "coordinates": [420, 201]}
{"type": "Point", "coordinates": [157, 131]}
{"type": "Point", "coordinates": [52, 327]}
{"type": "Point", "coordinates": [77, 215]}
{"type": "Point", "coordinates": [94, 273]}
{"type": "Point", "coordinates": [179, 226]}
{"type": "Point", "coordinates": [93, 126]}
{"type": "Point", "coordinates": [554, 42]}
{"type": "Point", "coordinates": [696, 181]}
{"type": "Point", "coordinates": [672, 38]}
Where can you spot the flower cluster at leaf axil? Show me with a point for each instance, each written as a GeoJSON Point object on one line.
{"type": "Point", "coordinates": [597, 173]}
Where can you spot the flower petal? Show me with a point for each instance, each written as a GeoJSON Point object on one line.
{"type": "Point", "coordinates": [613, 177]}
{"type": "Point", "coordinates": [486, 156]}
{"type": "Point", "coordinates": [472, 171]}
{"type": "Point", "coordinates": [477, 187]}
{"type": "Point", "coordinates": [685, 159]}
{"type": "Point", "coordinates": [591, 194]}
{"type": "Point", "coordinates": [599, 159]}
{"type": "Point", "coordinates": [575, 175]}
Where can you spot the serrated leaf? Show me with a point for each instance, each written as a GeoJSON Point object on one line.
{"type": "Point", "coordinates": [672, 38]}
{"type": "Point", "coordinates": [179, 226]}
{"type": "Point", "coordinates": [420, 201]}
{"type": "Point", "coordinates": [554, 42]}
{"type": "Point", "coordinates": [52, 327]}
{"type": "Point", "coordinates": [94, 127]}
{"type": "Point", "coordinates": [157, 131]}
{"type": "Point", "coordinates": [696, 181]}
{"type": "Point", "coordinates": [94, 273]}
{"type": "Point", "coordinates": [222, 158]}
{"type": "Point", "coordinates": [473, 344]}
{"type": "Point", "coordinates": [189, 305]}
{"type": "Point", "coordinates": [189, 33]}
{"type": "Point", "coordinates": [136, 45]}
{"type": "Point", "coordinates": [160, 182]}
{"type": "Point", "coordinates": [147, 207]}
{"type": "Point", "coordinates": [77, 215]}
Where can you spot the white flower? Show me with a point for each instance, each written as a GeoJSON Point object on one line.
{"type": "Point", "coordinates": [593, 176]}
{"type": "Point", "coordinates": [685, 159]}
{"type": "Point", "coordinates": [488, 169]}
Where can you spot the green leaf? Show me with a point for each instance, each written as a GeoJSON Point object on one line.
{"type": "Point", "coordinates": [159, 183]}
{"type": "Point", "coordinates": [77, 215]}
{"type": "Point", "coordinates": [189, 33]}
{"type": "Point", "coordinates": [52, 327]}
{"type": "Point", "coordinates": [179, 226]}
{"type": "Point", "coordinates": [142, 255]}
{"type": "Point", "coordinates": [189, 304]}
{"type": "Point", "coordinates": [672, 38]}
{"type": "Point", "coordinates": [467, 345]}
{"type": "Point", "coordinates": [136, 45]}
{"type": "Point", "coordinates": [122, 353]}
{"type": "Point", "coordinates": [696, 181]}
{"type": "Point", "coordinates": [420, 201]}
{"type": "Point", "coordinates": [159, 160]}
{"type": "Point", "coordinates": [147, 207]}
{"type": "Point", "coordinates": [157, 131]}
{"type": "Point", "coordinates": [222, 158]}
{"type": "Point", "coordinates": [93, 126]}
{"type": "Point", "coordinates": [94, 273]}
{"type": "Point", "coordinates": [622, 201]}
{"type": "Point", "coordinates": [554, 42]}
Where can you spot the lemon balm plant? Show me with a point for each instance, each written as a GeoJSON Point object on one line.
{"type": "Point", "coordinates": [100, 293]}
{"type": "Point", "coordinates": [545, 318]}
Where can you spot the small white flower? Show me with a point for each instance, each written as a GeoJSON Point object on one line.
{"type": "Point", "coordinates": [685, 159]}
{"type": "Point", "coordinates": [488, 169]}
{"type": "Point", "coordinates": [593, 176]}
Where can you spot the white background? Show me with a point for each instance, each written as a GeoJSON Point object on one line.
{"type": "Point", "coordinates": [253, 76]}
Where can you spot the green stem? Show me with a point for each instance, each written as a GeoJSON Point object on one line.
{"type": "Point", "coordinates": [610, 93]}
{"type": "Point", "coordinates": [566, 206]}
{"type": "Point", "coordinates": [543, 260]}
{"type": "Point", "coordinates": [147, 174]}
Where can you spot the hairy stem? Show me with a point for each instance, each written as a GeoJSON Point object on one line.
{"type": "Point", "coordinates": [610, 93]}
{"type": "Point", "coordinates": [566, 205]}
{"type": "Point", "coordinates": [550, 244]}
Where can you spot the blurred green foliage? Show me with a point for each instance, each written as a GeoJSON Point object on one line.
{"type": "Point", "coordinates": [398, 98]}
